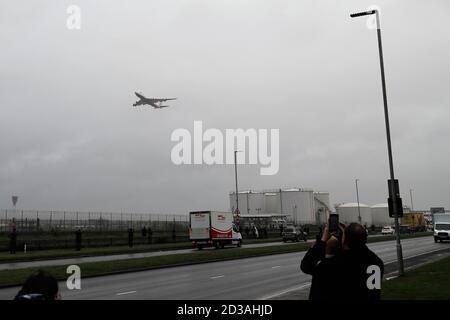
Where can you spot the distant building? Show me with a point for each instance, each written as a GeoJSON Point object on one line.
{"type": "Point", "coordinates": [298, 205]}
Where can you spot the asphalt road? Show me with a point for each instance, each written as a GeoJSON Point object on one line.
{"type": "Point", "coordinates": [266, 277]}
{"type": "Point", "coordinates": [114, 257]}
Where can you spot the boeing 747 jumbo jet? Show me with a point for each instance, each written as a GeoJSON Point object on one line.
{"type": "Point", "coordinates": [154, 102]}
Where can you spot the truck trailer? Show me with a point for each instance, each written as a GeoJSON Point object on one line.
{"type": "Point", "coordinates": [414, 221]}
{"type": "Point", "coordinates": [213, 229]}
{"type": "Point", "coordinates": [441, 226]}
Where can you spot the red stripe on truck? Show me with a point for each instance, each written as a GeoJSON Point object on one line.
{"type": "Point", "coordinates": [220, 234]}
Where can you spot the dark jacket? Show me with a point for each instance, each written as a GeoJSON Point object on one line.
{"type": "Point", "coordinates": [343, 276]}
{"type": "Point", "coordinates": [324, 281]}
{"type": "Point", "coordinates": [354, 264]}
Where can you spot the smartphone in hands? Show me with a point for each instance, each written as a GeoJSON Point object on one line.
{"type": "Point", "coordinates": [333, 222]}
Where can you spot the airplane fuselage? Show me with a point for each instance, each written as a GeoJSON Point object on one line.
{"type": "Point", "coordinates": [154, 102]}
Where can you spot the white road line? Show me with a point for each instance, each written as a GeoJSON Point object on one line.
{"type": "Point", "coordinates": [217, 277]}
{"type": "Point", "coordinates": [390, 278]}
{"type": "Point", "coordinates": [122, 293]}
{"type": "Point", "coordinates": [274, 267]}
{"type": "Point", "coordinates": [280, 293]}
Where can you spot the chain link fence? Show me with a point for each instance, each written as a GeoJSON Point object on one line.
{"type": "Point", "coordinates": [55, 221]}
{"type": "Point", "coordinates": [38, 230]}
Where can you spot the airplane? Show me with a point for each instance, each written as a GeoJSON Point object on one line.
{"type": "Point", "coordinates": [154, 102]}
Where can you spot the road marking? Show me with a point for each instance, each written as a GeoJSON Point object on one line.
{"type": "Point", "coordinates": [217, 277]}
{"type": "Point", "coordinates": [274, 267]}
{"type": "Point", "coordinates": [390, 278]}
{"type": "Point", "coordinates": [122, 293]}
{"type": "Point", "coordinates": [277, 294]}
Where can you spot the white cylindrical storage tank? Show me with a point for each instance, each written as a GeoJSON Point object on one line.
{"type": "Point", "coordinates": [348, 213]}
{"type": "Point", "coordinates": [243, 203]}
{"type": "Point", "coordinates": [272, 202]}
{"type": "Point", "coordinates": [299, 205]}
{"type": "Point", "coordinates": [380, 215]}
{"type": "Point", "coordinates": [256, 203]}
{"type": "Point", "coordinates": [322, 206]}
{"type": "Point", "coordinates": [323, 197]}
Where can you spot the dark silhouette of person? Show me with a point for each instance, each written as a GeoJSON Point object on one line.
{"type": "Point", "coordinates": [281, 229]}
{"type": "Point", "coordinates": [265, 232]}
{"type": "Point", "coordinates": [130, 237]}
{"type": "Point", "coordinates": [39, 286]}
{"type": "Point", "coordinates": [13, 241]}
{"type": "Point", "coordinates": [78, 240]}
{"type": "Point", "coordinates": [144, 232]}
{"type": "Point", "coordinates": [303, 234]}
{"type": "Point", "coordinates": [150, 234]}
{"type": "Point", "coordinates": [174, 235]}
{"type": "Point", "coordinates": [346, 272]}
{"type": "Point", "coordinates": [247, 231]}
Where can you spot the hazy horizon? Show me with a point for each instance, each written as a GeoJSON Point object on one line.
{"type": "Point", "coordinates": [71, 140]}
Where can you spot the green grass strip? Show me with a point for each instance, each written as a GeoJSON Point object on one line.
{"type": "Point", "coordinates": [429, 282]}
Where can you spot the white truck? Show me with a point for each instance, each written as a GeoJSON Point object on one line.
{"type": "Point", "coordinates": [441, 226]}
{"type": "Point", "coordinates": [213, 229]}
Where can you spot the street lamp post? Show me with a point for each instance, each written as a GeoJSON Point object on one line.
{"type": "Point", "coordinates": [412, 204]}
{"type": "Point", "coordinates": [392, 194]}
{"type": "Point", "coordinates": [357, 199]}
{"type": "Point", "coordinates": [236, 180]}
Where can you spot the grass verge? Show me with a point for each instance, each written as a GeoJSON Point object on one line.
{"type": "Point", "coordinates": [6, 257]}
{"type": "Point", "coordinates": [429, 282]}
{"type": "Point", "coordinates": [18, 276]}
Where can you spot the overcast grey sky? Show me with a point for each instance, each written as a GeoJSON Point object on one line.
{"type": "Point", "coordinates": [70, 138]}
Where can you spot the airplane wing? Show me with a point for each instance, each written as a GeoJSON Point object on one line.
{"type": "Point", "coordinates": [163, 99]}
{"type": "Point", "coordinates": [140, 96]}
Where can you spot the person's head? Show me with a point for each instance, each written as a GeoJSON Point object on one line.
{"type": "Point", "coordinates": [355, 236]}
{"type": "Point", "coordinates": [40, 286]}
{"type": "Point", "coordinates": [332, 247]}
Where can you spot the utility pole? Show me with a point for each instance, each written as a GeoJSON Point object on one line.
{"type": "Point", "coordinates": [357, 199]}
{"type": "Point", "coordinates": [412, 204]}
{"type": "Point", "coordinates": [393, 193]}
{"type": "Point", "coordinates": [236, 180]}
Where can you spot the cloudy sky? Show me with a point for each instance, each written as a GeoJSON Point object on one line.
{"type": "Point", "coordinates": [70, 138]}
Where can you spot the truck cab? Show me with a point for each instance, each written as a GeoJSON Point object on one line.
{"type": "Point", "coordinates": [441, 227]}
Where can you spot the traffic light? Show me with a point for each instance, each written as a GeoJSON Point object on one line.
{"type": "Point", "coordinates": [399, 206]}
{"type": "Point", "coordinates": [394, 199]}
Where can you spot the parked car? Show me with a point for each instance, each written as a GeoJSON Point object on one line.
{"type": "Point", "coordinates": [387, 230]}
{"type": "Point", "coordinates": [293, 234]}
